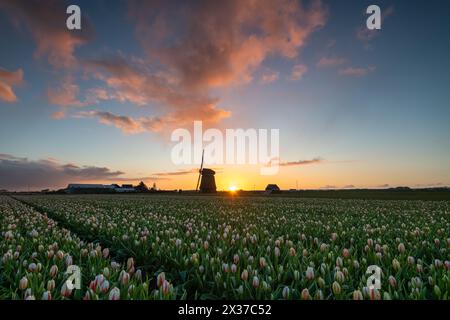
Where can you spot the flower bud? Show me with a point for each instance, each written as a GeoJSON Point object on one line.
{"type": "Point", "coordinates": [255, 282]}
{"type": "Point", "coordinates": [336, 288]}
{"type": "Point", "coordinates": [114, 294]}
{"type": "Point", "coordinates": [160, 279]}
{"type": "Point", "coordinates": [53, 271]}
{"type": "Point", "coordinates": [244, 275]}
{"type": "Point", "coordinates": [47, 295]}
{"type": "Point", "coordinates": [51, 285]}
{"type": "Point", "coordinates": [285, 293]}
{"type": "Point", "coordinates": [357, 295]}
{"type": "Point", "coordinates": [23, 283]}
{"type": "Point", "coordinates": [305, 294]}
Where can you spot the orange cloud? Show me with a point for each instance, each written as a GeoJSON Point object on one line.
{"type": "Point", "coordinates": [8, 79]}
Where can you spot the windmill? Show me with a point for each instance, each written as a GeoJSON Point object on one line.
{"type": "Point", "coordinates": [207, 182]}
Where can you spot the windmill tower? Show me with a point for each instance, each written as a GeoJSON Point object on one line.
{"type": "Point", "coordinates": [207, 182]}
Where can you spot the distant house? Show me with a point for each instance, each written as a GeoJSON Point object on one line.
{"type": "Point", "coordinates": [272, 188]}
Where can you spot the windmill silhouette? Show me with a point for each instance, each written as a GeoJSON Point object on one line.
{"type": "Point", "coordinates": [207, 182]}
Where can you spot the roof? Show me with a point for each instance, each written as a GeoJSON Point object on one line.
{"type": "Point", "coordinates": [272, 187]}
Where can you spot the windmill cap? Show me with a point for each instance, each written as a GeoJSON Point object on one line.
{"type": "Point", "coordinates": [208, 171]}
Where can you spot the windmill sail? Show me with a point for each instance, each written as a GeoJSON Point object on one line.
{"type": "Point", "coordinates": [200, 171]}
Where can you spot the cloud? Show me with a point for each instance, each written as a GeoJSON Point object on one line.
{"type": "Point", "coordinates": [298, 71]}
{"type": "Point", "coordinates": [65, 95]}
{"type": "Point", "coordinates": [221, 43]}
{"type": "Point", "coordinates": [356, 72]}
{"type": "Point", "coordinates": [330, 62]}
{"type": "Point", "coordinates": [366, 35]}
{"type": "Point", "coordinates": [177, 173]}
{"type": "Point", "coordinates": [128, 125]}
{"type": "Point", "coordinates": [269, 76]}
{"type": "Point", "coordinates": [22, 173]}
{"type": "Point", "coordinates": [301, 162]}
{"type": "Point", "coordinates": [9, 79]}
{"type": "Point", "coordinates": [46, 22]}
{"type": "Point", "coordinates": [132, 81]}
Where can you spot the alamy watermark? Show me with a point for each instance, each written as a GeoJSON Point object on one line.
{"type": "Point", "coordinates": [236, 146]}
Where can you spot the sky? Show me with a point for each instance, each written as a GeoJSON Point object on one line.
{"type": "Point", "coordinates": [355, 108]}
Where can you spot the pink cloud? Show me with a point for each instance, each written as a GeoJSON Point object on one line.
{"type": "Point", "coordinates": [9, 79]}
{"type": "Point", "coordinates": [298, 71]}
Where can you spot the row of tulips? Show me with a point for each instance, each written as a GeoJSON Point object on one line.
{"type": "Point", "coordinates": [37, 252]}
{"type": "Point", "coordinates": [265, 248]}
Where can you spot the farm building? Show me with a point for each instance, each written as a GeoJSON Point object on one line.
{"type": "Point", "coordinates": [272, 188]}
{"type": "Point", "coordinates": [89, 188]}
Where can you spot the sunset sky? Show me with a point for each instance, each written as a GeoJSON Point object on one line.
{"type": "Point", "coordinates": [355, 108]}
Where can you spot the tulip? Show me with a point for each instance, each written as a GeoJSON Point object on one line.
{"type": "Point", "coordinates": [124, 278]}
{"type": "Point", "coordinates": [255, 282]}
{"type": "Point", "coordinates": [392, 281]}
{"type": "Point", "coordinates": [357, 295]}
{"type": "Point", "coordinates": [138, 275]}
{"type": "Point", "coordinates": [104, 287]}
{"type": "Point", "coordinates": [346, 253]}
{"type": "Point", "coordinates": [32, 267]}
{"type": "Point", "coordinates": [244, 275]}
{"type": "Point", "coordinates": [395, 264]}
{"type": "Point", "coordinates": [292, 252]}
{"type": "Point", "coordinates": [285, 293]}
{"type": "Point", "coordinates": [437, 291]}
{"type": "Point", "coordinates": [130, 264]}
{"type": "Point", "coordinates": [336, 288]}
{"type": "Point", "coordinates": [401, 248]}
{"type": "Point", "coordinates": [165, 287]}
{"type": "Point", "coordinates": [23, 283]}
{"type": "Point", "coordinates": [105, 253]}
{"type": "Point", "coordinates": [304, 295]}
{"type": "Point", "coordinates": [114, 294]}
{"type": "Point", "coordinates": [236, 258]}
{"type": "Point", "coordinates": [53, 271]}
{"type": "Point", "coordinates": [339, 277]}
{"type": "Point", "coordinates": [262, 262]}
{"type": "Point", "coordinates": [51, 285]}
{"type": "Point", "coordinates": [206, 245]}
{"type": "Point", "coordinates": [47, 295]}
{"type": "Point", "coordinates": [160, 279]}
{"type": "Point", "coordinates": [65, 291]}
{"type": "Point", "coordinates": [310, 273]}
{"type": "Point", "coordinates": [410, 260]}
{"type": "Point", "coordinates": [233, 268]}
{"type": "Point", "coordinates": [277, 252]}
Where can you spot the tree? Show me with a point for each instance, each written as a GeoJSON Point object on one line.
{"type": "Point", "coordinates": [141, 187]}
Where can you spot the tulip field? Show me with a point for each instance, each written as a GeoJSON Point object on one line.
{"type": "Point", "coordinates": [146, 247]}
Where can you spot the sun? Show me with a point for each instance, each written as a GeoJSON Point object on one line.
{"type": "Point", "coordinates": [232, 188]}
